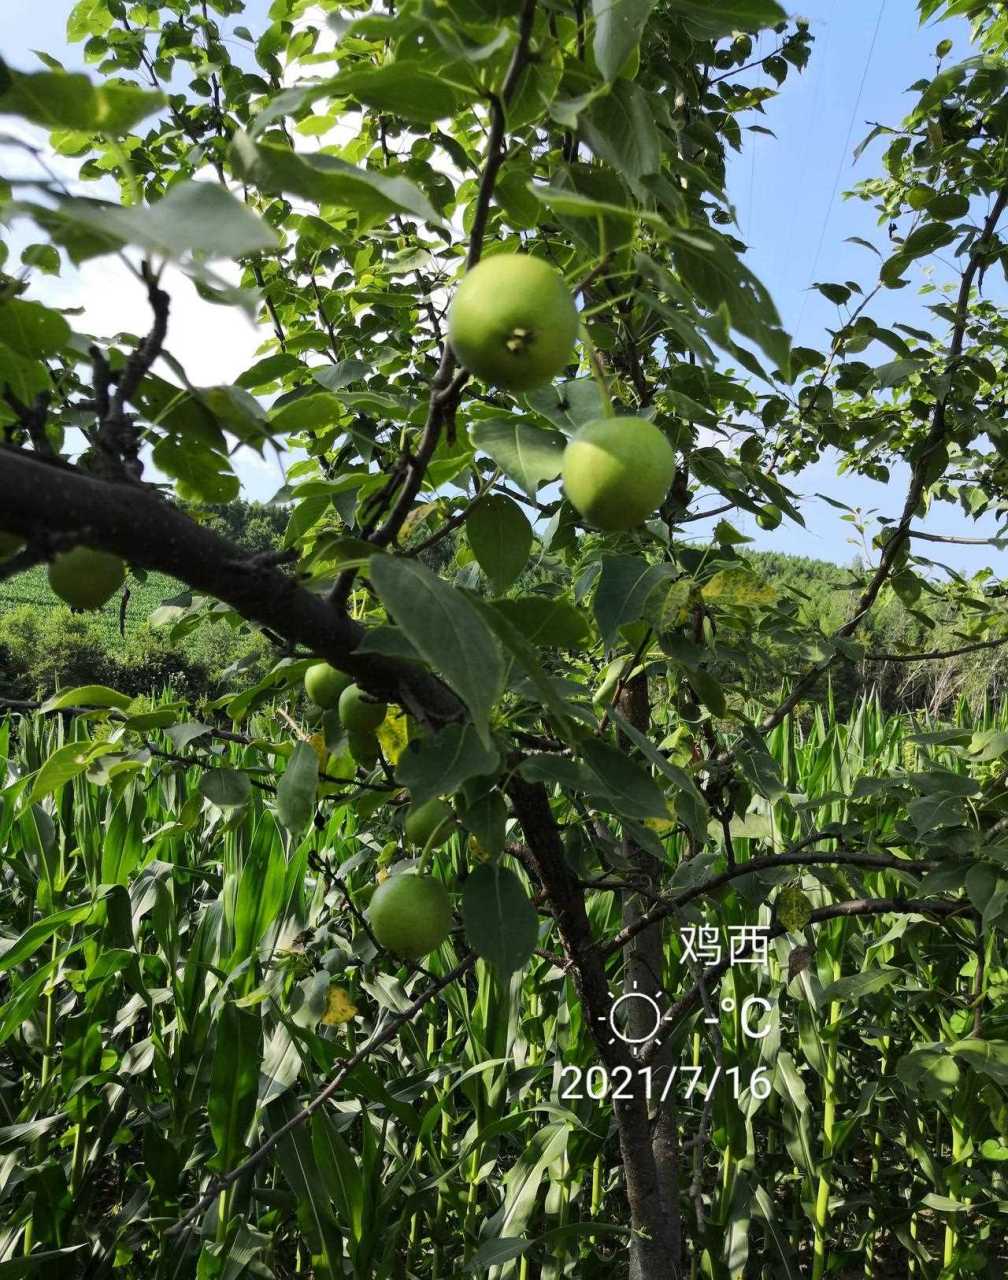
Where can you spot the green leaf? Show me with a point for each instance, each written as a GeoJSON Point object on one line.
{"type": "Point", "coordinates": [503, 1249]}
{"type": "Point", "coordinates": [549, 623]}
{"type": "Point", "coordinates": [446, 630]}
{"type": "Point", "coordinates": [261, 890]}
{"type": "Point", "coordinates": [989, 1057]}
{"type": "Point", "coordinates": [637, 795]}
{"type": "Point", "coordinates": [619, 25]}
{"type": "Point", "coordinates": [406, 89]}
{"type": "Point", "coordinates": [328, 180]}
{"type": "Point", "coordinates": [42, 930]}
{"type": "Point", "coordinates": [526, 655]}
{"type": "Point", "coordinates": [50, 1262]}
{"type": "Point", "coordinates": [226, 788]}
{"type": "Point", "coordinates": [623, 589]}
{"type": "Point", "coordinates": [485, 816]}
{"type": "Point", "coordinates": [930, 1072]}
{"type": "Point", "coordinates": [528, 454]}
{"type": "Point", "coordinates": [691, 808]}
{"type": "Point", "coordinates": [568, 404]}
{"type": "Point", "coordinates": [297, 788]}
{"type": "Point", "coordinates": [200, 474]}
{"type": "Point", "coordinates": [65, 100]}
{"type": "Point", "coordinates": [65, 763]}
{"type": "Point", "coordinates": [709, 21]}
{"type": "Point", "coordinates": [25, 378]}
{"type": "Point", "coordinates": [856, 985]}
{"type": "Point", "coordinates": [710, 268]}
{"type": "Point", "coordinates": [926, 239]}
{"type": "Point", "coordinates": [193, 218]}
{"type": "Point", "coordinates": [438, 765]}
{"type": "Point", "coordinates": [322, 409]}
{"type": "Point", "coordinates": [949, 205]}
{"type": "Point", "coordinates": [501, 923]}
{"type": "Point", "coordinates": [234, 1082]}
{"type": "Point", "coordinates": [620, 128]}
{"type": "Point", "coordinates": [573, 204]}
{"type": "Point", "coordinates": [31, 329]}
{"type": "Point", "coordinates": [88, 18]}
{"type": "Point", "coordinates": [89, 695]}
{"type": "Point", "coordinates": [500, 537]}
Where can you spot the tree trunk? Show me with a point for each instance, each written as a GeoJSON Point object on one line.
{"type": "Point", "coordinates": [644, 963]}
{"type": "Point", "coordinates": [653, 1248]}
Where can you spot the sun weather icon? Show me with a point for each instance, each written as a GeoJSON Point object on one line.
{"type": "Point", "coordinates": [635, 1018]}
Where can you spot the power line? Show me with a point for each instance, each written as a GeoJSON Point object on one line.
{"type": "Point", "coordinates": [820, 65]}
{"type": "Point", "coordinates": [840, 166]}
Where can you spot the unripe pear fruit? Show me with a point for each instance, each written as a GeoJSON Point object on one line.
{"type": "Point", "coordinates": [513, 321]}
{"type": "Point", "coordinates": [410, 915]}
{"type": "Point", "coordinates": [424, 820]}
{"type": "Point", "coordinates": [324, 684]}
{"type": "Point", "coordinates": [363, 747]}
{"type": "Point", "coordinates": [360, 712]}
{"type": "Point", "coordinates": [85, 578]}
{"type": "Point", "coordinates": [617, 471]}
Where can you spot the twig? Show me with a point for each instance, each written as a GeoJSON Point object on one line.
{"type": "Point", "coordinates": [447, 383]}
{"type": "Point", "coordinates": [936, 654]}
{"type": "Point", "coordinates": [454, 521]}
{"type": "Point", "coordinates": [376, 1041]}
{"type": "Point", "coordinates": [855, 907]}
{"type": "Point", "coordinates": [669, 906]}
{"type": "Point", "coordinates": [117, 439]}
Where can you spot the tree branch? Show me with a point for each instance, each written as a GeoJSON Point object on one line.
{"type": "Point", "coordinates": [878, 862]}
{"type": "Point", "coordinates": [854, 907]}
{"type": "Point", "coordinates": [915, 492]}
{"type": "Point", "coordinates": [39, 501]}
{"type": "Point", "coordinates": [376, 1041]}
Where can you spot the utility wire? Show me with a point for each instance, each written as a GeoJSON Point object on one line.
{"type": "Point", "coordinates": [840, 166]}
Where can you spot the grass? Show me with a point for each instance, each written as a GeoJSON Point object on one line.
{"type": "Point", "coordinates": [145, 596]}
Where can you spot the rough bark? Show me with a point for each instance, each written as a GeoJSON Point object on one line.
{"type": "Point", "coordinates": [643, 974]}
{"type": "Point", "coordinates": [652, 1247]}
{"type": "Point", "coordinates": [53, 505]}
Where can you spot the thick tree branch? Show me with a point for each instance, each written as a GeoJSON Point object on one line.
{"type": "Point", "coordinates": [41, 502]}
{"type": "Point", "coordinates": [653, 1243]}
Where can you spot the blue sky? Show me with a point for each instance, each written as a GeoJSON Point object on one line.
{"type": "Point", "coordinates": [788, 193]}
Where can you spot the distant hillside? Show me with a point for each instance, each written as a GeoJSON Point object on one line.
{"type": "Point", "coordinates": [43, 646]}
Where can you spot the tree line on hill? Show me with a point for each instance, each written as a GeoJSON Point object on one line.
{"type": "Point", "coordinates": [45, 647]}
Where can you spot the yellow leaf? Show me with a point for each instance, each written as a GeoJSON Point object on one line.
{"type": "Point", "coordinates": [393, 736]}
{"type": "Point", "coordinates": [676, 609]}
{"type": "Point", "coordinates": [479, 854]}
{"type": "Point", "coordinates": [417, 516]}
{"type": "Point", "coordinates": [339, 1007]}
{"type": "Point", "coordinates": [317, 744]}
{"type": "Point", "coordinates": [663, 825]}
{"type": "Point", "coordinates": [739, 587]}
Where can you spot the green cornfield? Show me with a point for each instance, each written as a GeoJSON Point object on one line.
{"type": "Point", "coordinates": [179, 976]}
